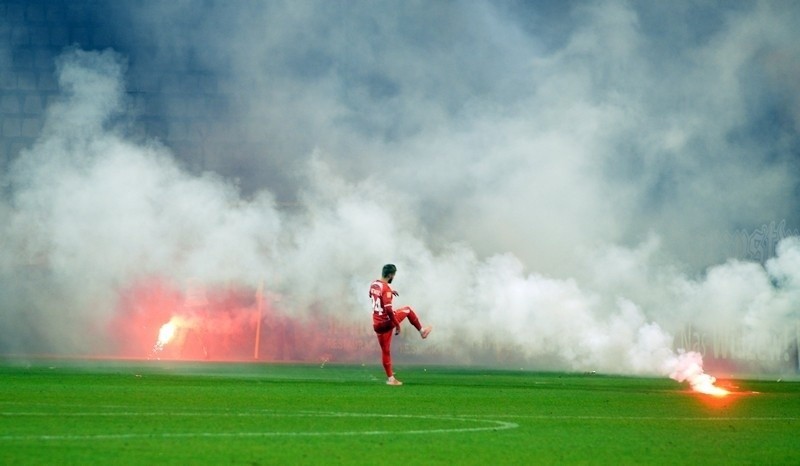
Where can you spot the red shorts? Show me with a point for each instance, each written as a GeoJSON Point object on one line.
{"type": "Point", "coordinates": [399, 315]}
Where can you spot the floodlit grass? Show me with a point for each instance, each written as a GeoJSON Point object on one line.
{"type": "Point", "coordinates": [159, 412]}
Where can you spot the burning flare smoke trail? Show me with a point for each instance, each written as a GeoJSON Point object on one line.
{"type": "Point", "coordinates": [689, 367]}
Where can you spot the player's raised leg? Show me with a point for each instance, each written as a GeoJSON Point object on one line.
{"type": "Point", "coordinates": [408, 312]}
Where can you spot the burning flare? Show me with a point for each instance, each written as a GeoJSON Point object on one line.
{"type": "Point", "coordinates": [689, 367]}
{"type": "Point", "coordinates": [165, 334]}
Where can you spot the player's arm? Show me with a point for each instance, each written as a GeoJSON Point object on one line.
{"type": "Point", "coordinates": [387, 309]}
{"type": "Point", "coordinates": [394, 320]}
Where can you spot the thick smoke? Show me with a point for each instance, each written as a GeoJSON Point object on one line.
{"type": "Point", "coordinates": [628, 120]}
{"type": "Point", "coordinates": [90, 213]}
{"type": "Point", "coordinates": [559, 194]}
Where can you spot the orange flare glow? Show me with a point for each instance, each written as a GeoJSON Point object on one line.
{"type": "Point", "coordinates": [705, 384]}
{"type": "Point", "coordinates": [688, 366]}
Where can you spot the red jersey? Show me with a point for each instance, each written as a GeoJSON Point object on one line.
{"type": "Point", "coordinates": [382, 313]}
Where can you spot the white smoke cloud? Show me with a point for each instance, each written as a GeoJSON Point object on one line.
{"type": "Point", "coordinates": [562, 199]}
{"type": "Point", "coordinates": [91, 213]}
{"type": "Point", "coordinates": [625, 125]}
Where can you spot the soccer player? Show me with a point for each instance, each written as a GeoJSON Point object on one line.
{"type": "Point", "coordinates": [386, 321]}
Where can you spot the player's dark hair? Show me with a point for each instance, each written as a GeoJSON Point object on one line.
{"type": "Point", "coordinates": [389, 268]}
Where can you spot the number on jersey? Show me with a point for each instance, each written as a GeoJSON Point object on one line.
{"type": "Point", "coordinates": [376, 305]}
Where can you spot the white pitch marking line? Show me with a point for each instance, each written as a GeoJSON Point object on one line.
{"type": "Point", "coordinates": [465, 417]}
{"type": "Point", "coordinates": [496, 425]}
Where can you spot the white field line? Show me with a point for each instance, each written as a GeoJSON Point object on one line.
{"type": "Point", "coordinates": [494, 425]}
{"type": "Point", "coordinates": [198, 412]}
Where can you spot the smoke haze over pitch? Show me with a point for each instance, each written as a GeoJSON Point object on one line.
{"type": "Point", "coordinates": [560, 180]}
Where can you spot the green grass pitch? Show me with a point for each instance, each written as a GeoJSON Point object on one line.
{"type": "Point", "coordinates": [158, 412]}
